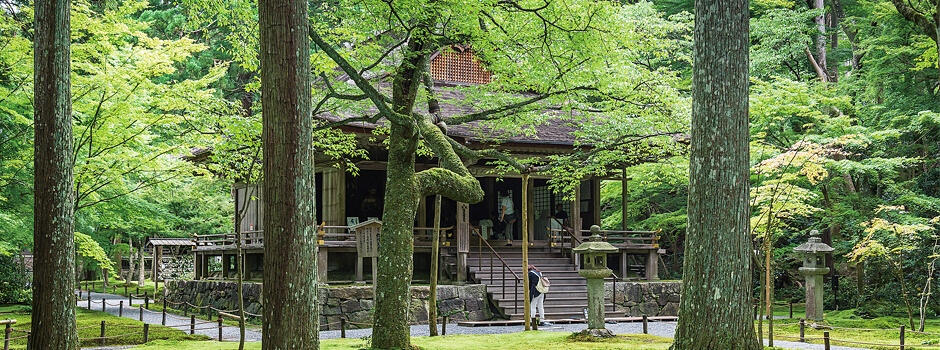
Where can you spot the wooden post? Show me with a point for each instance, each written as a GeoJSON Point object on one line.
{"type": "Point", "coordinates": [535, 325]}
{"type": "Point", "coordinates": [322, 263]}
{"type": "Point", "coordinates": [826, 339]}
{"type": "Point", "coordinates": [220, 328]}
{"type": "Point", "coordinates": [192, 324]}
{"type": "Point", "coordinates": [130, 299]}
{"type": "Point", "coordinates": [463, 240]}
{"type": "Point", "coordinates": [435, 258]}
{"type": "Point", "coordinates": [146, 333]}
{"type": "Point", "coordinates": [141, 308]}
{"type": "Point", "coordinates": [444, 326]}
{"type": "Point", "coordinates": [102, 304]}
{"type": "Point", "coordinates": [802, 330]}
{"type": "Point", "coordinates": [125, 291]}
{"type": "Point", "coordinates": [102, 333]}
{"type": "Point", "coordinates": [525, 253]}
{"type": "Point", "coordinates": [89, 301]}
{"type": "Point", "coordinates": [902, 337]}
{"type": "Point", "coordinates": [121, 308]}
{"type": "Point", "coordinates": [342, 327]}
{"type": "Point", "coordinates": [164, 310]}
{"type": "Point", "coordinates": [791, 309]}
{"type": "Point", "coordinates": [146, 301]}
{"type": "Point", "coordinates": [645, 325]}
{"type": "Point", "coordinates": [652, 265]}
{"type": "Point", "coordinates": [359, 268]}
{"type": "Point", "coordinates": [6, 335]}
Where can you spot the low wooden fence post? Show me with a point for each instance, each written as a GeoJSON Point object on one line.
{"type": "Point", "coordinates": [220, 328]}
{"type": "Point", "coordinates": [89, 300]}
{"type": "Point", "coordinates": [146, 333]}
{"type": "Point", "coordinates": [791, 309]}
{"type": "Point", "coordinates": [6, 337]}
{"type": "Point", "coordinates": [125, 291]}
{"type": "Point", "coordinates": [102, 304]}
{"type": "Point", "coordinates": [141, 308]}
{"type": "Point", "coordinates": [802, 330]}
{"type": "Point", "coordinates": [192, 324]}
{"type": "Point", "coordinates": [826, 339]}
{"type": "Point", "coordinates": [102, 333]}
{"type": "Point", "coordinates": [121, 308]}
{"type": "Point", "coordinates": [146, 301]}
{"type": "Point", "coordinates": [342, 327]}
{"type": "Point", "coordinates": [164, 311]}
{"type": "Point", "coordinates": [902, 337]}
{"type": "Point", "coordinates": [645, 325]}
{"type": "Point", "coordinates": [444, 326]}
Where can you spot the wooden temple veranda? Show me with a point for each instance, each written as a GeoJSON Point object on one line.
{"type": "Point", "coordinates": [350, 209]}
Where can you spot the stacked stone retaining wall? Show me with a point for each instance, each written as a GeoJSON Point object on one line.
{"type": "Point", "coordinates": [355, 303]}
{"type": "Point", "coordinates": [645, 298]}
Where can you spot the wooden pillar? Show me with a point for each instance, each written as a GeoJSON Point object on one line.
{"type": "Point", "coordinates": [359, 263]}
{"type": "Point", "coordinates": [334, 196]}
{"type": "Point", "coordinates": [197, 266]}
{"type": "Point", "coordinates": [624, 269]}
{"type": "Point", "coordinates": [226, 267]}
{"type": "Point", "coordinates": [595, 217]}
{"type": "Point", "coordinates": [530, 208]}
{"type": "Point", "coordinates": [205, 266]}
{"type": "Point", "coordinates": [422, 212]}
{"type": "Point", "coordinates": [375, 271]}
{"type": "Point", "coordinates": [463, 240]}
{"type": "Point", "coordinates": [157, 256]}
{"type": "Point", "coordinates": [652, 266]}
{"type": "Point", "coordinates": [322, 260]}
{"type": "Point", "coordinates": [576, 210]}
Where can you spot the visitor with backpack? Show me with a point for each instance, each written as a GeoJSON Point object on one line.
{"type": "Point", "coordinates": [538, 286]}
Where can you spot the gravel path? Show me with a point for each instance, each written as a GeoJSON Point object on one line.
{"type": "Point", "coordinates": [662, 329]}
{"type": "Point", "coordinates": [112, 306]}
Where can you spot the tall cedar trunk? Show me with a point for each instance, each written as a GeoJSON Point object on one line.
{"type": "Point", "coordinates": [715, 310]}
{"type": "Point", "coordinates": [291, 315]}
{"type": "Point", "coordinates": [53, 318]}
{"type": "Point", "coordinates": [118, 255]}
{"type": "Point", "coordinates": [131, 262]}
{"type": "Point", "coordinates": [140, 267]}
{"type": "Point", "coordinates": [402, 195]}
{"type": "Point", "coordinates": [821, 41]}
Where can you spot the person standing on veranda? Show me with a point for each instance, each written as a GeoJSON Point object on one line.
{"type": "Point", "coordinates": [506, 215]}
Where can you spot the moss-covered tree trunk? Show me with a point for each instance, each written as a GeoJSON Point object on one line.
{"type": "Point", "coordinates": [291, 314]}
{"type": "Point", "coordinates": [715, 309]}
{"type": "Point", "coordinates": [404, 188]}
{"type": "Point", "coordinates": [53, 318]}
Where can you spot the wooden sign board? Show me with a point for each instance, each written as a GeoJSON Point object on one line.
{"type": "Point", "coordinates": [463, 227]}
{"type": "Point", "coordinates": [367, 238]}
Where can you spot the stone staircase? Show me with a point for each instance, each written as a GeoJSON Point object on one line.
{"type": "Point", "coordinates": [567, 297]}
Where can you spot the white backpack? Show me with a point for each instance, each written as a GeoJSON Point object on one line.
{"type": "Point", "coordinates": [543, 285]}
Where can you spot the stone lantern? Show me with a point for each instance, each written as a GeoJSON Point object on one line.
{"type": "Point", "coordinates": [814, 267]}
{"type": "Point", "coordinates": [595, 269]}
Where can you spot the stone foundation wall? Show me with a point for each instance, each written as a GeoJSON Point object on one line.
{"type": "Point", "coordinates": [467, 302]}
{"type": "Point", "coordinates": [645, 298]}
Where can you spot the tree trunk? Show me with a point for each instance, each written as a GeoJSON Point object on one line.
{"type": "Point", "coordinates": [118, 256]}
{"type": "Point", "coordinates": [140, 265]}
{"type": "Point", "coordinates": [821, 42]}
{"type": "Point", "coordinates": [715, 309]}
{"type": "Point", "coordinates": [131, 262]}
{"type": "Point", "coordinates": [53, 316]}
{"type": "Point", "coordinates": [291, 312]}
{"type": "Point", "coordinates": [392, 294]}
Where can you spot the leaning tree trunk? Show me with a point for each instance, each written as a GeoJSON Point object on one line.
{"type": "Point", "coordinates": [714, 312]}
{"type": "Point", "coordinates": [53, 317]}
{"type": "Point", "coordinates": [291, 312]}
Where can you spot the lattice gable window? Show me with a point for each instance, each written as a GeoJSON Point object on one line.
{"type": "Point", "coordinates": [457, 64]}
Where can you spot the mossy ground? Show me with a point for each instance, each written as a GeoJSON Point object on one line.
{"type": "Point", "coordinates": [848, 319]}
{"type": "Point", "coordinates": [92, 320]}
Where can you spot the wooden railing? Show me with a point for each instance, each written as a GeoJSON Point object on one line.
{"type": "Point", "coordinates": [326, 234]}
{"type": "Point", "coordinates": [504, 269]}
